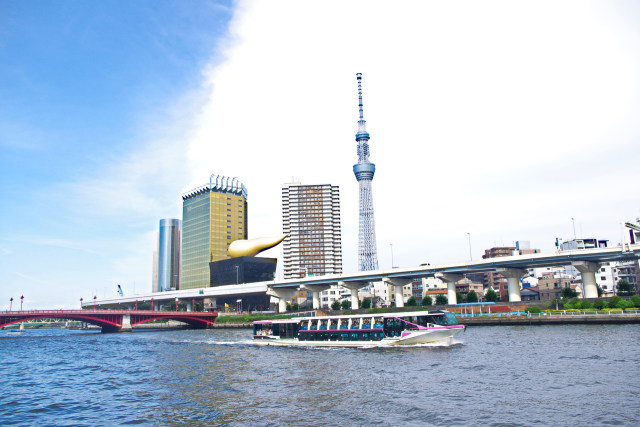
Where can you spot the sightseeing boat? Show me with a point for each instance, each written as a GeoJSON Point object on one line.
{"type": "Point", "coordinates": [409, 328]}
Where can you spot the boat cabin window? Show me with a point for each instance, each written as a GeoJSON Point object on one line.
{"type": "Point", "coordinates": [262, 329]}
{"type": "Point", "coordinates": [285, 330]}
{"type": "Point", "coordinates": [445, 319]}
{"type": "Point", "coordinates": [334, 324]}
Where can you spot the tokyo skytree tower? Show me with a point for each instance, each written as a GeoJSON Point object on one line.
{"type": "Point", "coordinates": [364, 170]}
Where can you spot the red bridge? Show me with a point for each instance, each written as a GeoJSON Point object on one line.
{"type": "Point", "coordinates": [111, 320]}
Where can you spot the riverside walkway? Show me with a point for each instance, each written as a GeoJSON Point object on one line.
{"type": "Point", "coordinates": [554, 318]}
{"type": "Point", "coordinates": [111, 320]}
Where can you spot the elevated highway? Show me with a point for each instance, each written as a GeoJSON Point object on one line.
{"type": "Point", "coordinates": [587, 261]}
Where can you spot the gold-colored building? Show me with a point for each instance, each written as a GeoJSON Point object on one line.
{"type": "Point", "coordinates": [213, 216]}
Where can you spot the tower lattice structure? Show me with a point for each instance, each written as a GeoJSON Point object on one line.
{"type": "Point", "coordinates": [364, 170]}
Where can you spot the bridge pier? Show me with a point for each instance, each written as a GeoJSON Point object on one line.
{"type": "Point", "coordinates": [450, 279]}
{"type": "Point", "coordinates": [126, 323]}
{"type": "Point", "coordinates": [398, 285]}
{"type": "Point", "coordinates": [315, 291]}
{"type": "Point", "coordinates": [588, 271]}
{"type": "Point", "coordinates": [513, 276]}
{"type": "Point", "coordinates": [354, 287]}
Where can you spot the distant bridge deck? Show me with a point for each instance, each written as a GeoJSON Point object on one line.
{"type": "Point", "coordinates": [111, 320]}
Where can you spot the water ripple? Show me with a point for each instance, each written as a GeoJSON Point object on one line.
{"type": "Point", "coordinates": [498, 376]}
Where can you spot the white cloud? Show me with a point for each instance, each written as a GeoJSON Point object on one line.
{"type": "Point", "coordinates": [500, 119]}
{"type": "Point", "coordinates": [495, 118]}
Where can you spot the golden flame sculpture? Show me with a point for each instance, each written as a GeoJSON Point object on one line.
{"type": "Point", "coordinates": [253, 247]}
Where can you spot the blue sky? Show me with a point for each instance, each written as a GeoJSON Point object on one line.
{"type": "Point", "coordinates": [82, 86]}
{"type": "Point", "coordinates": [501, 119]}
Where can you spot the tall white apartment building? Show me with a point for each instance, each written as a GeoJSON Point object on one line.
{"type": "Point", "coordinates": [311, 218]}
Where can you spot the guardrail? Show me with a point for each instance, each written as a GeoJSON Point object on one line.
{"type": "Point", "coordinates": [564, 313]}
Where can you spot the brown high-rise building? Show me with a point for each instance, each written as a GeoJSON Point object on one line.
{"type": "Point", "coordinates": [311, 218]}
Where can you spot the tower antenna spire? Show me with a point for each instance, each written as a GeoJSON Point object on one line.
{"type": "Point", "coordinates": [359, 76]}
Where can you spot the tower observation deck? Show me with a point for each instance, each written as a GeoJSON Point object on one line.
{"type": "Point", "coordinates": [364, 171]}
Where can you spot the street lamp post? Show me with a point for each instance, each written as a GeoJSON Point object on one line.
{"type": "Point", "coordinates": [574, 229]}
{"type": "Point", "coordinates": [10, 303]}
{"type": "Point", "coordinates": [470, 257]}
{"type": "Point", "coordinates": [391, 245]}
{"type": "Point", "coordinates": [21, 299]}
{"type": "Point", "coordinates": [176, 303]}
{"type": "Point", "coordinates": [136, 305]}
{"type": "Point", "coordinates": [94, 302]}
{"type": "Point", "coordinates": [237, 273]}
{"type": "Point", "coordinates": [80, 303]}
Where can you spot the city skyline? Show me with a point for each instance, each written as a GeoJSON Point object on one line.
{"type": "Point", "coordinates": [504, 121]}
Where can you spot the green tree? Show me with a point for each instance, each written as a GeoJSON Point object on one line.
{"type": "Point", "coordinates": [598, 304]}
{"type": "Point", "coordinates": [600, 291]}
{"type": "Point", "coordinates": [459, 297]}
{"type": "Point", "coordinates": [636, 300]}
{"type": "Point", "coordinates": [491, 295]}
{"type": "Point", "coordinates": [586, 304]}
{"type": "Point", "coordinates": [335, 305]}
{"type": "Point", "coordinates": [568, 293]}
{"type": "Point", "coordinates": [345, 304]}
{"type": "Point", "coordinates": [533, 309]}
{"type": "Point", "coordinates": [613, 301]}
{"type": "Point", "coordinates": [289, 308]}
{"type": "Point", "coordinates": [295, 306]}
{"type": "Point", "coordinates": [627, 304]}
{"type": "Point", "coordinates": [366, 303]}
{"type": "Point", "coordinates": [556, 303]}
{"type": "Point", "coordinates": [472, 296]}
{"type": "Point", "coordinates": [624, 288]}
{"type": "Point", "coordinates": [427, 301]}
{"type": "Point", "coordinates": [412, 302]}
{"type": "Point", "coordinates": [441, 299]}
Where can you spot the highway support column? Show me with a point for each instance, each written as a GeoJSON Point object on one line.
{"type": "Point", "coordinates": [398, 284]}
{"type": "Point", "coordinates": [315, 291]}
{"type": "Point", "coordinates": [283, 294]}
{"type": "Point", "coordinates": [588, 271]}
{"type": "Point", "coordinates": [450, 279]}
{"type": "Point", "coordinates": [354, 287]}
{"type": "Point", "coordinates": [513, 283]}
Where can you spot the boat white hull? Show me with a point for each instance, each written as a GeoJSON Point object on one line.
{"type": "Point", "coordinates": [411, 338]}
{"type": "Point", "coordinates": [425, 336]}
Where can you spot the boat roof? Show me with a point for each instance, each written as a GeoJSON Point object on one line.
{"type": "Point", "coordinates": [355, 316]}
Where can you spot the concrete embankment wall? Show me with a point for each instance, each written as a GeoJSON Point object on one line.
{"type": "Point", "coordinates": [550, 320]}
{"type": "Point", "coordinates": [232, 325]}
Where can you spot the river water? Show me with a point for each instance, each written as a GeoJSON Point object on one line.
{"type": "Point", "coordinates": [503, 375]}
